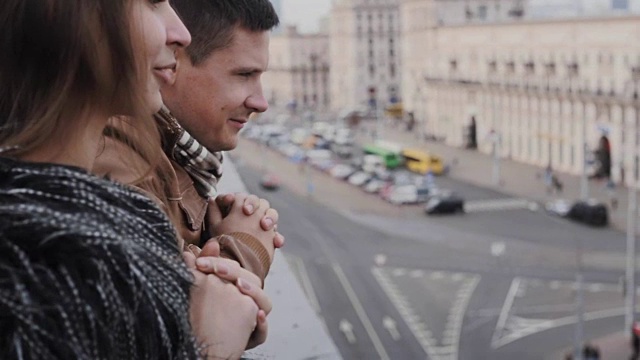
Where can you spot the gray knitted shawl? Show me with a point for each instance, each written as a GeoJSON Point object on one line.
{"type": "Point", "coordinates": [88, 270]}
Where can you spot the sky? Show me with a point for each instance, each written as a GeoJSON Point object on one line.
{"type": "Point", "coordinates": [304, 13]}
{"type": "Point", "coordinates": [307, 13]}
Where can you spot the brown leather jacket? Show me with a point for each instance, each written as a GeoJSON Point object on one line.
{"type": "Point", "coordinates": [115, 161]}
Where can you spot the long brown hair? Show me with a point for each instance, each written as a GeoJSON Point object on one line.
{"type": "Point", "coordinates": [60, 59]}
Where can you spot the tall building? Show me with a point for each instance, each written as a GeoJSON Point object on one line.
{"type": "Point", "coordinates": [298, 74]}
{"type": "Point", "coordinates": [537, 89]}
{"type": "Point", "coordinates": [365, 53]}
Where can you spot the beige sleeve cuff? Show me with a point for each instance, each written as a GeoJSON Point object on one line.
{"type": "Point", "coordinates": [246, 250]}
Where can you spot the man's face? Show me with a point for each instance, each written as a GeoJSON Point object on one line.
{"type": "Point", "coordinates": [214, 99]}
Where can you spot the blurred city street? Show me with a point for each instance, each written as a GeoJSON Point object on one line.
{"type": "Point", "coordinates": [406, 286]}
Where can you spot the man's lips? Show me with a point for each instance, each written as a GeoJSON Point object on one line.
{"type": "Point", "coordinates": [237, 123]}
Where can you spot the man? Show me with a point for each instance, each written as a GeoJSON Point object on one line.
{"type": "Point", "coordinates": [217, 87]}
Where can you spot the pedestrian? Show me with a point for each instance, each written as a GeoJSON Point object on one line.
{"type": "Point", "coordinates": [79, 280]}
{"type": "Point", "coordinates": [635, 341]}
{"type": "Point", "coordinates": [216, 89]}
{"type": "Point", "coordinates": [548, 179]}
{"type": "Point", "coordinates": [557, 184]}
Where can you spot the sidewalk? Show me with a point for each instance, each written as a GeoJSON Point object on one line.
{"type": "Point", "coordinates": [517, 179]}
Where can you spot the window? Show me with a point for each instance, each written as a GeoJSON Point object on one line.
{"type": "Point", "coordinates": [453, 65]}
{"type": "Point", "coordinates": [530, 68]}
{"type": "Point", "coordinates": [493, 66]}
{"type": "Point", "coordinates": [482, 12]}
{"type": "Point", "coordinates": [392, 70]}
{"type": "Point", "coordinates": [550, 69]}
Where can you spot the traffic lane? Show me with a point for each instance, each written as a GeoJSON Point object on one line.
{"type": "Point", "coordinates": [322, 238]}
{"type": "Point", "coordinates": [538, 227]}
{"type": "Point", "coordinates": [342, 321]}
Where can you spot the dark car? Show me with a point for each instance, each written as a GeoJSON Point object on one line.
{"type": "Point", "coordinates": [444, 204]}
{"type": "Point", "coordinates": [589, 212]}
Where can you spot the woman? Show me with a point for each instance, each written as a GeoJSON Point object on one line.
{"type": "Point", "coordinates": [88, 269]}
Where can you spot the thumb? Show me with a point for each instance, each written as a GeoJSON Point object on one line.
{"type": "Point", "coordinates": [189, 259]}
{"type": "Point", "coordinates": [214, 215]}
{"type": "Point", "coordinates": [211, 248]}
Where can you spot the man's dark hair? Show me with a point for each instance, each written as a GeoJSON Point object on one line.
{"type": "Point", "coordinates": [212, 22]}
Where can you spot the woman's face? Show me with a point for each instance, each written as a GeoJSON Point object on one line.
{"type": "Point", "coordinates": [162, 33]}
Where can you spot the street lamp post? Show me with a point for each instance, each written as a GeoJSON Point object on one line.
{"type": "Point", "coordinates": [632, 215]}
{"type": "Point", "coordinates": [584, 180]}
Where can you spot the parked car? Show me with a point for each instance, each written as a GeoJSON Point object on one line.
{"type": "Point", "coordinates": [341, 171]}
{"type": "Point", "coordinates": [590, 212]}
{"type": "Point", "coordinates": [444, 203]}
{"type": "Point", "coordinates": [270, 182]}
{"type": "Point", "coordinates": [342, 150]}
{"type": "Point", "coordinates": [359, 178]}
{"type": "Point", "coordinates": [374, 186]}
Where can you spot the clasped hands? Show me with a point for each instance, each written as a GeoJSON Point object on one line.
{"type": "Point", "coordinates": [229, 308]}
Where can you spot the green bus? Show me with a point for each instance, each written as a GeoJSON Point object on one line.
{"type": "Point", "coordinates": [392, 159]}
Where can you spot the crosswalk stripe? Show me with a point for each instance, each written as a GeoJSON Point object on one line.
{"type": "Point", "coordinates": [497, 204]}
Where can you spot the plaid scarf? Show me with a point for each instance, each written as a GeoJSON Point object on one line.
{"type": "Point", "coordinates": [204, 167]}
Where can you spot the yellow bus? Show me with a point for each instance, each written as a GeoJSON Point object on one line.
{"type": "Point", "coordinates": [420, 161]}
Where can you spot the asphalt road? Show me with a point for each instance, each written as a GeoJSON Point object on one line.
{"type": "Point", "coordinates": [392, 283]}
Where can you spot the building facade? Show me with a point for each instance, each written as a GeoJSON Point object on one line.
{"type": "Point", "coordinates": [538, 91]}
{"type": "Point", "coordinates": [298, 74]}
{"type": "Point", "coordinates": [365, 53]}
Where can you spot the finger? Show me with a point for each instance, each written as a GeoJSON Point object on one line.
{"type": "Point", "coordinates": [229, 270]}
{"type": "Point", "coordinates": [259, 335]}
{"type": "Point", "coordinates": [278, 240]}
{"type": "Point", "coordinates": [270, 220]}
{"type": "Point", "coordinates": [211, 248]}
{"type": "Point", "coordinates": [214, 214]}
{"type": "Point", "coordinates": [189, 259]}
{"type": "Point", "coordinates": [195, 250]}
{"type": "Point", "coordinates": [223, 268]}
{"type": "Point", "coordinates": [251, 204]}
{"type": "Point", "coordinates": [225, 202]}
{"type": "Point", "coordinates": [257, 294]}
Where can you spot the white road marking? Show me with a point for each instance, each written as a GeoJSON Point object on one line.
{"type": "Point", "coordinates": [347, 329]}
{"type": "Point", "coordinates": [519, 326]}
{"type": "Point", "coordinates": [451, 335]}
{"type": "Point", "coordinates": [504, 313]}
{"type": "Point", "coordinates": [498, 205]}
{"type": "Point", "coordinates": [351, 294]}
{"type": "Point", "coordinates": [380, 259]}
{"type": "Point", "coordinates": [390, 324]}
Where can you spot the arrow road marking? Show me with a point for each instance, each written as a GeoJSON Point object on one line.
{"type": "Point", "coordinates": [390, 324]}
{"type": "Point", "coordinates": [347, 329]}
